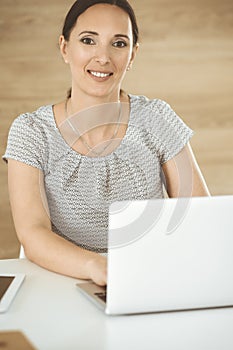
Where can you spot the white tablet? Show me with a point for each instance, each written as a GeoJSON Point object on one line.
{"type": "Point", "coordinates": [9, 285]}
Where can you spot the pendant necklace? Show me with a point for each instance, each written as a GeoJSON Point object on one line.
{"type": "Point", "coordinates": [87, 146]}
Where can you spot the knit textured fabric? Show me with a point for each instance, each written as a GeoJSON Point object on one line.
{"type": "Point", "coordinates": [79, 188]}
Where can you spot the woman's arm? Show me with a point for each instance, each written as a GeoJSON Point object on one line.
{"type": "Point", "coordinates": [183, 177]}
{"type": "Point", "coordinates": [33, 227]}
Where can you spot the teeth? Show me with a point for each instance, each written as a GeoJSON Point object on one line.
{"type": "Point", "coordinates": [100, 75]}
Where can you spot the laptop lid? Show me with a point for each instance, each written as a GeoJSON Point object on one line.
{"type": "Point", "coordinates": [170, 254]}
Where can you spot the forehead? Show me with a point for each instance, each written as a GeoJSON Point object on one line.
{"type": "Point", "coordinates": [105, 18]}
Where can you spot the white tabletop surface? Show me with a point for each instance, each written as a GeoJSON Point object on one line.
{"type": "Point", "coordinates": [53, 314]}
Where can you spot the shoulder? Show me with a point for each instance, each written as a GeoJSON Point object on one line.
{"type": "Point", "coordinates": [158, 118]}
{"type": "Point", "coordinates": [152, 111]}
{"type": "Point", "coordinates": [27, 140]}
{"type": "Point", "coordinates": [154, 105]}
{"type": "Point", "coordinates": [41, 115]}
{"type": "Point", "coordinates": [33, 124]}
{"type": "Point", "coordinates": [31, 128]}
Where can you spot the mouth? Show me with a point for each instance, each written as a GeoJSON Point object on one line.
{"type": "Point", "coordinates": [101, 75]}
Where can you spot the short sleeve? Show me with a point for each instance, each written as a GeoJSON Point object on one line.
{"type": "Point", "coordinates": [25, 142]}
{"type": "Point", "coordinates": [171, 132]}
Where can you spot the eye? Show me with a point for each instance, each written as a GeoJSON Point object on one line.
{"type": "Point", "coordinates": [87, 41]}
{"type": "Point", "coordinates": [119, 43]}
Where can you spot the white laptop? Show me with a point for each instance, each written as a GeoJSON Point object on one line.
{"type": "Point", "coordinates": [167, 254]}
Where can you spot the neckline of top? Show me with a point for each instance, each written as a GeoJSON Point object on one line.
{"type": "Point", "coordinates": [98, 158]}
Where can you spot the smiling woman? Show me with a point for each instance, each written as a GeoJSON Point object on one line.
{"type": "Point", "coordinates": [98, 56]}
{"type": "Point", "coordinates": [71, 160]}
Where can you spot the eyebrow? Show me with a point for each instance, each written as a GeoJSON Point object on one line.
{"type": "Point", "coordinates": [95, 33]}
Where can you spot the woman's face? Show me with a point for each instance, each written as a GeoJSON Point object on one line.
{"type": "Point", "coordinates": [99, 51]}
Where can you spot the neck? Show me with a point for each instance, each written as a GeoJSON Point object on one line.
{"type": "Point", "coordinates": [95, 121]}
{"type": "Point", "coordinates": [79, 101]}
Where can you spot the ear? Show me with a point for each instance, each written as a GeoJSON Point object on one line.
{"type": "Point", "coordinates": [63, 48]}
{"type": "Point", "coordinates": [133, 55]}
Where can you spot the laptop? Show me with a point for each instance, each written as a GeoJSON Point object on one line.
{"type": "Point", "coordinates": [166, 255]}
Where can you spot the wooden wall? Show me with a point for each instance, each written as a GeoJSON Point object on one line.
{"type": "Point", "coordinates": [185, 57]}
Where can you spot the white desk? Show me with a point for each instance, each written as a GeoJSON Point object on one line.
{"type": "Point", "coordinates": [53, 314]}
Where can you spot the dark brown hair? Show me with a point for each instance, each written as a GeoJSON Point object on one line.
{"type": "Point", "coordinates": [81, 6]}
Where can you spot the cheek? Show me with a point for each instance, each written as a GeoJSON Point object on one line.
{"type": "Point", "coordinates": [80, 56]}
{"type": "Point", "coordinates": [123, 60]}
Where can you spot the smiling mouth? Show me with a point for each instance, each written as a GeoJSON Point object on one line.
{"type": "Point", "coordinates": [99, 74]}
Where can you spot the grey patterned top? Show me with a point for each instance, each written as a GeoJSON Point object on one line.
{"type": "Point", "coordinates": [79, 188]}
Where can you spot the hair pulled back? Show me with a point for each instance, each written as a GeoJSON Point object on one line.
{"type": "Point", "coordinates": [81, 6]}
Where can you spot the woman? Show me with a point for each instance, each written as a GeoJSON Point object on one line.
{"type": "Point", "coordinates": [69, 161]}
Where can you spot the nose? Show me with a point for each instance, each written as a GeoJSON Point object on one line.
{"type": "Point", "coordinates": [102, 55]}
